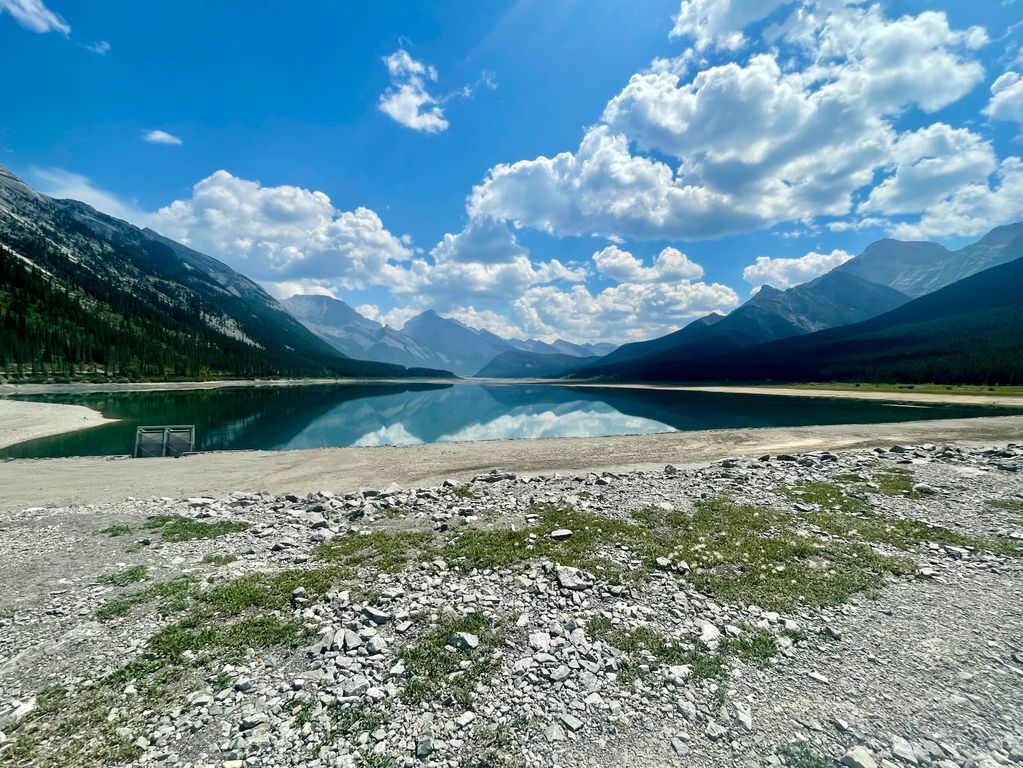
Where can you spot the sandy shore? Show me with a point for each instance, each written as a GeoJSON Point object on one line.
{"type": "Point", "coordinates": [21, 420]}
{"type": "Point", "coordinates": [88, 480]}
{"type": "Point", "coordinates": [1012, 401]}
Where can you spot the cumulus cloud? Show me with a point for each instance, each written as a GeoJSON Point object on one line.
{"type": "Point", "coordinates": [930, 164]}
{"type": "Point", "coordinates": [1006, 98]}
{"type": "Point", "coordinates": [785, 273]}
{"type": "Point", "coordinates": [407, 100]}
{"type": "Point", "coordinates": [972, 209]}
{"type": "Point", "coordinates": [160, 137]}
{"type": "Point", "coordinates": [102, 47]}
{"type": "Point", "coordinates": [484, 240]}
{"type": "Point", "coordinates": [755, 144]}
{"type": "Point", "coordinates": [622, 266]}
{"type": "Point", "coordinates": [286, 232]}
{"type": "Point", "coordinates": [620, 313]}
{"type": "Point", "coordinates": [34, 15]}
{"type": "Point", "coordinates": [720, 23]}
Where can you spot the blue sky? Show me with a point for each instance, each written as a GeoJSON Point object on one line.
{"type": "Point", "coordinates": [594, 170]}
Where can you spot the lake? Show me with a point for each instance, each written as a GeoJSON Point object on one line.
{"type": "Point", "coordinates": [320, 416]}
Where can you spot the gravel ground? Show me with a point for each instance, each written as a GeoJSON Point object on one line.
{"type": "Point", "coordinates": [862, 608]}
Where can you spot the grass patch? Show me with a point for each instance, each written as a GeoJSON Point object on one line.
{"type": "Point", "coordinates": [896, 481]}
{"type": "Point", "coordinates": [118, 529]}
{"type": "Point", "coordinates": [123, 578]}
{"type": "Point", "coordinates": [505, 548]}
{"type": "Point", "coordinates": [386, 551]}
{"type": "Point", "coordinates": [170, 597]}
{"type": "Point", "coordinates": [175, 528]}
{"type": "Point", "coordinates": [432, 668]}
{"type": "Point", "coordinates": [798, 755]}
{"type": "Point", "coordinates": [463, 492]}
{"type": "Point", "coordinates": [647, 647]}
{"type": "Point", "coordinates": [1005, 505]}
{"type": "Point", "coordinates": [219, 559]}
{"type": "Point", "coordinates": [849, 517]}
{"type": "Point", "coordinates": [69, 729]}
{"type": "Point", "coordinates": [351, 721]}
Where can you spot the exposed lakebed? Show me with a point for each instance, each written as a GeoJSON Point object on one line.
{"type": "Point", "coordinates": [320, 416]}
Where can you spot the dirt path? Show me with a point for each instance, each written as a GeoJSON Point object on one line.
{"type": "Point", "coordinates": [53, 482]}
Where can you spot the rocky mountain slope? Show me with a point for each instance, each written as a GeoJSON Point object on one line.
{"type": "Point", "coordinates": [968, 332]}
{"type": "Point", "coordinates": [919, 268]}
{"type": "Point", "coordinates": [81, 291]}
{"type": "Point", "coordinates": [427, 340]}
{"type": "Point", "coordinates": [857, 609]}
{"type": "Point", "coordinates": [357, 336]}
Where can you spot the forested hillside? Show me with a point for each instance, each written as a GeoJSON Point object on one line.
{"type": "Point", "coordinates": [84, 294]}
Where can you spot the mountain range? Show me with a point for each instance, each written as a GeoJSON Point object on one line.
{"type": "Point", "coordinates": [886, 275]}
{"type": "Point", "coordinates": [428, 339]}
{"type": "Point", "coordinates": [83, 292]}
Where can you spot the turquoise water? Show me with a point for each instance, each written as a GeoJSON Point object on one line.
{"type": "Point", "coordinates": [290, 418]}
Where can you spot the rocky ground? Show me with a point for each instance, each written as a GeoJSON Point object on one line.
{"type": "Point", "coordinates": [862, 608]}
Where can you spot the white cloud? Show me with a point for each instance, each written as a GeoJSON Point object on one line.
{"type": "Point", "coordinates": [1006, 98]}
{"type": "Point", "coordinates": [622, 266]}
{"type": "Point", "coordinates": [34, 15]}
{"type": "Point", "coordinates": [930, 164]}
{"type": "Point", "coordinates": [785, 273]}
{"type": "Point", "coordinates": [624, 312]}
{"type": "Point", "coordinates": [483, 239]}
{"type": "Point", "coordinates": [757, 143]}
{"type": "Point", "coordinates": [720, 23]}
{"type": "Point", "coordinates": [406, 100]}
{"type": "Point", "coordinates": [160, 137]}
{"type": "Point", "coordinates": [973, 209]}
{"type": "Point", "coordinates": [102, 47]}
{"type": "Point", "coordinates": [283, 233]}
{"type": "Point", "coordinates": [65, 185]}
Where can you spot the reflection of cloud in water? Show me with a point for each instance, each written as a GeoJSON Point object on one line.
{"type": "Point", "coordinates": [581, 423]}
{"type": "Point", "coordinates": [395, 434]}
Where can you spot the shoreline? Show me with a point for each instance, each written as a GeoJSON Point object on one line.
{"type": "Point", "coordinates": [24, 420]}
{"type": "Point", "coordinates": [89, 480]}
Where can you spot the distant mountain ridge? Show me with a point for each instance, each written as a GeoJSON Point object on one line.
{"type": "Point", "coordinates": [886, 275]}
{"type": "Point", "coordinates": [967, 332]}
{"type": "Point", "coordinates": [83, 290]}
{"type": "Point", "coordinates": [428, 339]}
{"type": "Point", "coordinates": [353, 334]}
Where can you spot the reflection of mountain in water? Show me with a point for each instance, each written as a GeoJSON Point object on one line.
{"type": "Point", "coordinates": [287, 418]}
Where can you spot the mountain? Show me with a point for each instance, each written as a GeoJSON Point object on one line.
{"type": "Point", "coordinates": [831, 300]}
{"type": "Point", "coordinates": [83, 292]}
{"type": "Point", "coordinates": [468, 349]}
{"type": "Point", "coordinates": [357, 336]}
{"type": "Point", "coordinates": [967, 332]}
{"type": "Point", "coordinates": [518, 364]}
{"type": "Point", "coordinates": [562, 347]}
{"type": "Point", "coordinates": [918, 268]}
{"type": "Point", "coordinates": [887, 274]}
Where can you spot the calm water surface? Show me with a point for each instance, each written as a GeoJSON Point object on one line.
{"type": "Point", "coordinates": [289, 418]}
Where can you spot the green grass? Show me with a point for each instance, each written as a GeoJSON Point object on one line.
{"type": "Point", "coordinates": [803, 756]}
{"type": "Point", "coordinates": [175, 528]}
{"type": "Point", "coordinates": [118, 529]}
{"type": "Point", "coordinates": [385, 551]}
{"type": "Point", "coordinates": [432, 669]}
{"type": "Point", "coordinates": [463, 492]}
{"type": "Point", "coordinates": [69, 729]}
{"type": "Point", "coordinates": [896, 481]}
{"type": "Point", "coordinates": [219, 559]}
{"type": "Point", "coordinates": [1007, 505]}
{"type": "Point", "coordinates": [123, 578]}
{"type": "Point", "coordinates": [847, 516]}
{"type": "Point", "coordinates": [170, 597]}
